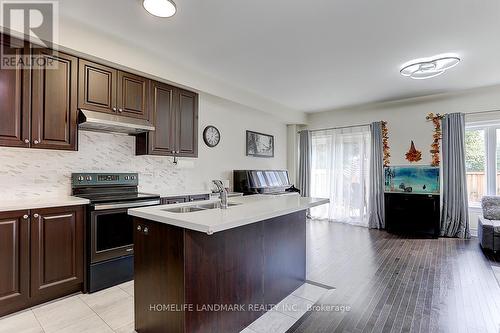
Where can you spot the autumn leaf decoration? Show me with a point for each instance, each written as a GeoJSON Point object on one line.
{"type": "Point", "coordinates": [413, 155]}
{"type": "Point", "coordinates": [385, 143]}
{"type": "Point", "coordinates": [435, 148]}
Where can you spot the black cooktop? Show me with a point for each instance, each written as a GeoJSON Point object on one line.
{"type": "Point", "coordinates": [117, 197]}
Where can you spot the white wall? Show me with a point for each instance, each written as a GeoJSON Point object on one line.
{"type": "Point", "coordinates": [26, 173]}
{"type": "Point", "coordinates": [82, 40]}
{"type": "Point", "coordinates": [233, 120]}
{"type": "Point", "coordinates": [406, 119]}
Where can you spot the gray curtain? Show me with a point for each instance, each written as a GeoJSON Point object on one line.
{"type": "Point", "coordinates": [305, 163]}
{"type": "Point", "coordinates": [376, 199]}
{"type": "Point", "coordinates": [454, 214]}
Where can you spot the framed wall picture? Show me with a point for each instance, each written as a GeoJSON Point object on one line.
{"type": "Point", "coordinates": [259, 144]}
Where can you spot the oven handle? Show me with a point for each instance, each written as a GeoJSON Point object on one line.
{"type": "Point", "coordinates": [126, 205]}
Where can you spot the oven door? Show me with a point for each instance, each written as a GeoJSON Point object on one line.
{"type": "Point", "coordinates": [111, 231]}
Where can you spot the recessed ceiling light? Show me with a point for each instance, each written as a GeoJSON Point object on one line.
{"type": "Point", "coordinates": [160, 8]}
{"type": "Point", "coordinates": [425, 68]}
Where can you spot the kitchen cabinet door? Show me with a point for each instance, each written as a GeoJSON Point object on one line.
{"type": "Point", "coordinates": [56, 251]}
{"type": "Point", "coordinates": [96, 87]}
{"type": "Point", "coordinates": [132, 95]}
{"type": "Point", "coordinates": [187, 124]}
{"type": "Point", "coordinates": [14, 261]}
{"type": "Point", "coordinates": [15, 97]}
{"type": "Point", "coordinates": [54, 102]}
{"type": "Point", "coordinates": [161, 141]}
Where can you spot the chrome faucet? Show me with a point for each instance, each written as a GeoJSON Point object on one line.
{"type": "Point", "coordinates": [223, 193]}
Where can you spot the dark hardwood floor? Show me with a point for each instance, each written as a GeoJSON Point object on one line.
{"type": "Point", "coordinates": [397, 284]}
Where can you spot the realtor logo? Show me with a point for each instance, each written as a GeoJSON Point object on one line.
{"type": "Point", "coordinates": [37, 21]}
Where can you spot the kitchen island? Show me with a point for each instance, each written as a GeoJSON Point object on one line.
{"type": "Point", "coordinates": [199, 268]}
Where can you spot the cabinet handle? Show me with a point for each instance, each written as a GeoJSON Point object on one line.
{"type": "Point", "coordinates": [139, 228]}
{"type": "Point", "coordinates": [26, 140]}
{"type": "Point", "coordinates": [114, 109]}
{"type": "Point", "coordinates": [120, 110]}
{"type": "Point", "coordinates": [25, 217]}
{"type": "Point", "coordinates": [36, 215]}
{"type": "Point", "coordinates": [146, 230]}
{"type": "Point", "coordinates": [36, 142]}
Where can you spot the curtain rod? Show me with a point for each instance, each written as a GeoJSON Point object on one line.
{"type": "Point", "coordinates": [360, 125]}
{"type": "Point", "coordinates": [480, 112]}
{"type": "Point", "coordinates": [333, 128]}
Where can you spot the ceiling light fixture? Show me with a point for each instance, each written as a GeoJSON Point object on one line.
{"type": "Point", "coordinates": [425, 68]}
{"type": "Point", "coordinates": [160, 8]}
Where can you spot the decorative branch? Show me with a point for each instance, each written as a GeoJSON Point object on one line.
{"type": "Point", "coordinates": [413, 155]}
{"type": "Point", "coordinates": [385, 143]}
{"type": "Point", "coordinates": [435, 146]}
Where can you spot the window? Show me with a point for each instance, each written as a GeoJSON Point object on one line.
{"type": "Point", "coordinates": [482, 161]}
{"type": "Point", "coordinates": [339, 171]}
{"type": "Point", "coordinates": [475, 164]}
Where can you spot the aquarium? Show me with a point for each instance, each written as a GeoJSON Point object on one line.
{"type": "Point", "coordinates": [412, 179]}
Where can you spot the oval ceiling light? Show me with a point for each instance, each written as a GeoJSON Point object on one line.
{"type": "Point", "coordinates": [425, 68]}
{"type": "Point", "coordinates": [160, 8]}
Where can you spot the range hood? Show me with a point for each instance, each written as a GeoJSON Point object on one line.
{"type": "Point", "coordinates": [104, 122]}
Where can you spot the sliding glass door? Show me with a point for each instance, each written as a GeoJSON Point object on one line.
{"type": "Point", "coordinates": [340, 171]}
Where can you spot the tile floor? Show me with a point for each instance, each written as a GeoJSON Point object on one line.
{"type": "Point", "coordinates": [112, 310]}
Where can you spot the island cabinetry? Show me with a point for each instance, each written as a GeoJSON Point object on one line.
{"type": "Point", "coordinates": [252, 266]}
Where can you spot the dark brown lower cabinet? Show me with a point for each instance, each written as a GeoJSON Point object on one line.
{"type": "Point", "coordinates": [41, 255]}
{"type": "Point", "coordinates": [14, 261]}
{"type": "Point", "coordinates": [56, 251]}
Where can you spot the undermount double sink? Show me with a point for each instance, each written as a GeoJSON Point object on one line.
{"type": "Point", "coordinates": [199, 207]}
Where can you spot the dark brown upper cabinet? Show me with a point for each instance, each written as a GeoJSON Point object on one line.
{"type": "Point", "coordinates": [132, 95]}
{"type": "Point", "coordinates": [96, 87]}
{"type": "Point", "coordinates": [14, 260]}
{"type": "Point", "coordinates": [39, 107]}
{"type": "Point", "coordinates": [15, 97]}
{"type": "Point", "coordinates": [186, 133]}
{"type": "Point", "coordinates": [105, 89]}
{"type": "Point", "coordinates": [161, 141]}
{"type": "Point", "coordinates": [54, 104]}
{"type": "Point", "coordinates": [174, 112]}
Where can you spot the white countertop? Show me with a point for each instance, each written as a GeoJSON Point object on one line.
{"type": "Point", "coordinates": [252, 209]}
{"type": "Point", "coordinates": [35, 202]}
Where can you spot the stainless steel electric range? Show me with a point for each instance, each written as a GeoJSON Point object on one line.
{"type": "Point", "coordinates": [109, 230]}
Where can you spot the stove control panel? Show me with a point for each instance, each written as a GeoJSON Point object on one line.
{"type": "Point", "coordinates": [104, 179]}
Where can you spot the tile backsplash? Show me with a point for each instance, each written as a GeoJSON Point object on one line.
{"type": "Point", "coordinates": [34, 172]}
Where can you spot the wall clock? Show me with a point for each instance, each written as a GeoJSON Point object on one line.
{"type": "Point", "coordinates": [211, 136]}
